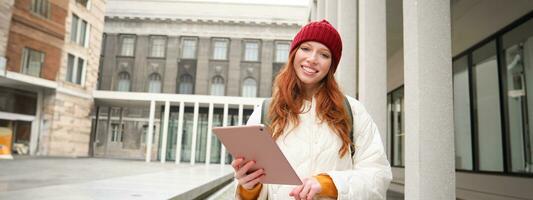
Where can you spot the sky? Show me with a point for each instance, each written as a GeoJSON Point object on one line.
{"type": "Point", "coordinates": [282, 2]}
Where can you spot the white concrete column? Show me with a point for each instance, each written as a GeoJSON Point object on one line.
{"type": "Point", "coordinates": [194, 132]}
{"type": "Point", "coordinates": [149, 137]}
{"type": "Point", "coordinates": [180, 132]}
{"type": "Point", "coordinates": [224, 124]}
{"type": "Point", "coordinates": [239, 121]}
{"type": "Point", "coordinates": [373, 61]}
{"type": "Point", "coordinates": [430, 162]}
{"type": "Point", "coordinates": [36, 124]}
{"type": "Point", "coordinates": [331, 12]}
{"type": "Point", "coordinates": [163, 151]}
{"type": "Point", "coordinates": [320, 9]}
{"type": "Point", "coordinates": [346, 74]}
{"type": "Point", "coordinates": [209, 134]}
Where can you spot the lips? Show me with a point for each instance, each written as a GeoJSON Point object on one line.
{"type": "Point", "coordinates": [309, 70]}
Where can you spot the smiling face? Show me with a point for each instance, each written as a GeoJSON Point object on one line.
{"type": "Point", "coordinates": [311, 63]}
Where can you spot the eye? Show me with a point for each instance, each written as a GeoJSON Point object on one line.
{"type": "Point", "coordinates": [325, 55]}
{"type": "Point", "coordinates": [304, 48]}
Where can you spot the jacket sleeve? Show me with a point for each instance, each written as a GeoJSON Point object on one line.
{"type": "Point", "coordinates": [371, 174]}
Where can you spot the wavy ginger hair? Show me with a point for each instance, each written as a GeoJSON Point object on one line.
{"type": "Point", "coordinates": [287, 102]}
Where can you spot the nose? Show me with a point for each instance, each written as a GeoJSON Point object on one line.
{"type": "Point", "coordinates": [312, 57]}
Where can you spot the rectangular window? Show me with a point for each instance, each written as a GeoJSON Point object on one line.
{"type": "Point", "coordinates": [220, 49]}
{"type": "Point", "coordinates": [32, 62]}
{"type": "Point", "coordinates": [128, 46]}
{"type": "Point", "coordinates": [75, 70]}
{"type": "Point", "coordinates": [40, 7]}
{"type": "Point", "coordinates": [117, 133]}
{"type": "Point", "coordinates": [461, 115]}
{"type": "Point", "coordinates": [516, 47]}
{"type": "Point", "coordinates": [398, 127]}
{"type": "Point", "coordinates": [145, 133]}
{"type": "Point", "coordinates": [282, 52]}
{"type": "Point", "coordinates": [157, 45]}
{"type": "Point", "coordinates": [251, 51]}
{"type": "Point", "coordinates": [78, 31]}
{"type": "Point", "coordinates": [485, 69]}
{"type": "Point", "coordinates": [188, 47]}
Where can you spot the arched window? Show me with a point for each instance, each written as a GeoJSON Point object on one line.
{"type": "Point", "coordinates": [186, 84]}
{"type": "Point", "coordinates": [249, 87]}
{"type": "Point", "coordinates": [123, 82]}
{"type": "Point", "coordinates": [217, 86]}
{"type": "Point", "coordinates": [154, 83]}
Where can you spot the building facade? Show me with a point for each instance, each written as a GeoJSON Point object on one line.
{"type": "Point", "coordinates": [52, 55]}
{"type": "Point", "coordinates": [447, 84]}
{"type": "Point", "coordinates": [234, 49]}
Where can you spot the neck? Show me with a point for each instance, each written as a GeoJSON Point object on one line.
{"type": "Point", "coordinates": [310, 91]}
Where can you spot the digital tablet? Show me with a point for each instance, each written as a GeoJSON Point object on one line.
{"type": "Point", "coordinates": [254, 142]}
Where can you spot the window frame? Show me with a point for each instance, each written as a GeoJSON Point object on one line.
{"type": "Point", "coordinates": [26, 53]}
{"type": "Point", "coordinates": [121, 41]}
{"type": "Point", "coordinates": [74, 71]}
{"type": "Point", "coordinates": [37, 9]}
{"type": "Point", "coordinates": [182, 47]}
{"type": "Point", "coordinates": [79, 37]}
{"type": "Point", "coordinates": [244, 50]}
{"type": "Point", "coordinates": [281, 42]}
{"type": "Point", "coordinates": [151, 47]}
{"type": "Point", "coordinates": [213, 48]}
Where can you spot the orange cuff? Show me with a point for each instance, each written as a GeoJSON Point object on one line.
{"type": "Point", "coordinates": [328, 187]}
{"type": "Point", "coordinates": [250, 194]}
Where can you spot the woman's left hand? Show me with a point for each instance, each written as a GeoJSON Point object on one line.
{"type": "Point", "coordinates": [307, 190]}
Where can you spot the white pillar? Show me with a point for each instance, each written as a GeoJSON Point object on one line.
{"type": "Point", "coordinates": [331, 12]}
{"type": "Point", "coordinates": [209, 134]}
{"type": "Point", "coordinates": [346, 74]}
{"type": "Point", "coordinates": [194, 132]}
{"type": "Point", "coordinates": [224, 124]}
{"type": "Point", "coordinates": [239, 121]}
{"type": "Point", "coordinates": [36, 125]}
{"type": "Point", "coordinates": [149, 137]}
{"type": "Point", "coordinates": [166, 114]}
{"type": "Point", "coordinates": [373, 61]}
{"type": "Point", "coordinates": [180, 132]}
{"type": "Point", "coordinates": [430, 163]}
{"type": "Point", "coordinates": [320, 9]}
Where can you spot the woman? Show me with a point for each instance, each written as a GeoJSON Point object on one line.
{"type": "Point", "coordinates": [311, 126]}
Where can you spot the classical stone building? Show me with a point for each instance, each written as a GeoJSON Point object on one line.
{"type": "Point", "coordinates": [52, 55]}
{"type": "Point", "coordinates": [188, 48]}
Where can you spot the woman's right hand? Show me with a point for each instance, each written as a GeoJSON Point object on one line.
{"type": "Point", "coordinates": [247, 180]}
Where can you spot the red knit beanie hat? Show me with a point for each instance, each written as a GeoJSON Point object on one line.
{"type": "Point", "coordinates": [324, 33]}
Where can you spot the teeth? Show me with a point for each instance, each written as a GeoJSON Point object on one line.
{"type": "Point", "coordinates": [309, 70]}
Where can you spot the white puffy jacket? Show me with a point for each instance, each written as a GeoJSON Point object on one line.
{"type": "Point", "coordinates": [312, 148]}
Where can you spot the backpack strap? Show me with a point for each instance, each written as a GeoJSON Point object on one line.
{"type": "Point", "coordinates": [348, 109]}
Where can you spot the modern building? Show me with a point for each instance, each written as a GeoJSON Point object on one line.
{"type": "Point", "coordinates": [447, 84]}
{"type": "Point", "coordinates": [48, 71]}
{"type": "Point", "coordinates": [168, 52]}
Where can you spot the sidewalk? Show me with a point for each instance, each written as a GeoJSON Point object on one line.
{"type": "Point", "coordinates": [95, 178]}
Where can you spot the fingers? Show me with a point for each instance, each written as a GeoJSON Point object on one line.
{"type": "Point", "coordinates": [252, 176]}
{"type": "Point", "coordinates": [237, 163]}
{"type": "Point", "coordinates": [251, 184]}
{"type": "Point", "coordinates": [311, 194]}
{"type": "Point", "coordinates": [305, 190]}
{"type": "Point", "coordinates": [242, 171]}
{"type": "Point", "coordinates": [296, 191]}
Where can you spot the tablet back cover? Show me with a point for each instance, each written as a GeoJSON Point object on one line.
{"type": "Point", "coordinates": [254, 142]}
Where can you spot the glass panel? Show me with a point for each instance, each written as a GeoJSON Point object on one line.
{"type": "Point", "coordinates": [155, 83]}
{"type": "Point", "coordinates": [70, 67]}
{"type": "Point", "coordinates": [201, 137]}
{"type": "Point", "coordinates": [398, 130]}
{"type": "Point", "coordinates": [74, 28]}
{"type": "Point", "coordinates": [282, 53]}
{"type": "Point", "coordinates": [461, 112]}
{"type": "Point", "coordinates": [215, 143]}
{"type": "Point", "coordinates": [186, 137]}
{"type": "Point", "coordinates": [189, 48]}
{"type": "Point", "coordinates": [172, 135]}
{"type": "Point", "coordinates": [251, 51]}
{"type": "Point", "coordinates": [518, 48]}
{"type": "Point", "coordinates": [249, 88]}
{"type": "Point", "coordinates": [83, 30]}
{"type": "Point", "coordinates": [186, 84]}
{"type": "Point", "coordinates": [79, 71]}
{"type": "Point", "coordinates": [123, 82]}
{"type": "Point", "coordinates": [217, 86]}
{"type": "Point", "coordinates": [219, 49]}
{"type": "Point", "coordinates": [33, 61]}
{"type": "Point", "coordinates": [127, 46]}
{"type": "Point", "coordinates": [485, 69]}
{"type": "Point", "coordinates": [158, 47]}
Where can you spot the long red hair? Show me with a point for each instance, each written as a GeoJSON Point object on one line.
{"type": "Point", "coordinates": [287, 102]}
